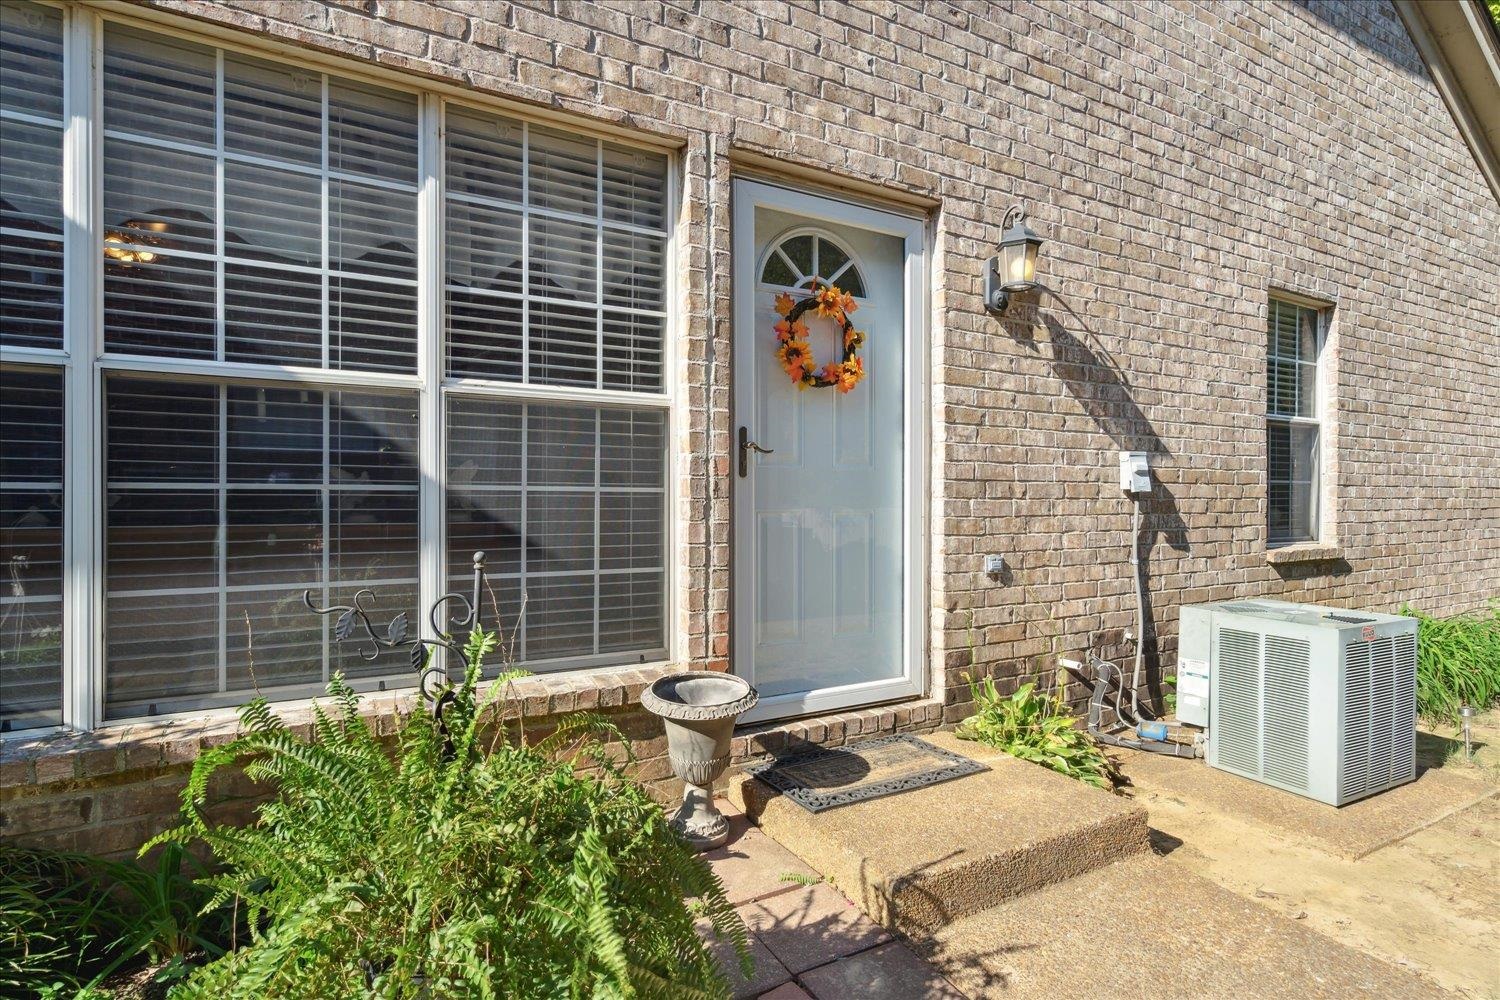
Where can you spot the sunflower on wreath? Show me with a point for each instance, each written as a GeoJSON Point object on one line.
{"type": "Point", "coordinates": [792, 350]}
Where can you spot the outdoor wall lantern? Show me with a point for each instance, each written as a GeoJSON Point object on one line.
{"type": "Point", "coordinates": [1015, 269]}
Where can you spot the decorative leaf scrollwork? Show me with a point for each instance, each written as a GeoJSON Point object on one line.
{"type": "Point", "coordinates": [449, 628]}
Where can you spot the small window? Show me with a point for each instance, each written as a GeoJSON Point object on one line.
{"type": "Point", "coordinates": [801, 260]}
{"type": "Point", "coordinates": [1294, 337]}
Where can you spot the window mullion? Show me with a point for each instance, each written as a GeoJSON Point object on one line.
{"type": "Point", "coordinates": [431, 454]}
{"type": "Point", "coordinates": [82, 321]}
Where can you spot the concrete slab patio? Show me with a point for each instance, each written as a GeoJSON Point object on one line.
{"type": "Point", "coordinates": [1144, 926]}
{"type": "Point", "coordinates": [1022, 883]}
{"type": "Point", "coordinates": [919, 859]}
{"type": "Point", "coordinates": [1352, 831]}
{"type": "Point", "coordinates": [1429, 902]}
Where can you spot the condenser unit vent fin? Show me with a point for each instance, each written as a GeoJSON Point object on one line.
{"type": "Point", "coordinates": [1238, 717]}
{"type": "Point", "coordinates": [1404, 762]}
{"type": "Point", "coordinates": [1382, 710]}
{"type": "Point", "coordinates": [1284, 745]}
{"type": "Point", "coordinates": [1356, 744]}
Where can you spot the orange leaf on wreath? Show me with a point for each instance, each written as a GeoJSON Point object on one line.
{"type": "Point", "coordinates": [848, 304]}
{"type": "Point", "coordinates": [783, 303]}
{"type": "Point", "coordinates": [849, 375]}
{"type": "Point", "coordinates": [783, 331]}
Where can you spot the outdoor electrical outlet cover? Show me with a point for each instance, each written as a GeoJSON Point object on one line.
{"type": "Point", "coordinates": [994, 565]}
{"type": "Point", "coordinates": [1135, 472]}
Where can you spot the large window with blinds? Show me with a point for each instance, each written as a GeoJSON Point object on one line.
{"type": "Point", "coordinates": [279, 396]}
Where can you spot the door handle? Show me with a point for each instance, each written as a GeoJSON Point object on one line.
{"type": "Point", "coordinates": [747, 446]}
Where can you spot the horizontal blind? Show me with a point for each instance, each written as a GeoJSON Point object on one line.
{"type": "Point", "coordinates": [256, 212]}
{"type": "Point", "coordinates": [265, 491]}
{"type": "Point", "coordinates": [569, 505]}
{"type": "Point", "coordinates": [31, 480]}
{"type": "Point", "coordinates": [31, 130]}
{"type": "Point", "coordinates": [555, 252]}
{"type": "Point", "coordinates": [1292, 434]}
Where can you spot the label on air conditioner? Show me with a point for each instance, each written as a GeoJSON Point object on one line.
{"type": "Point", "coordinates": [1192, 678]}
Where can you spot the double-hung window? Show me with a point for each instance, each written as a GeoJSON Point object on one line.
{"type": "Point", "coordinates": [1294, 336]}
{"type": "Point", "coordinates": [35, 365]}
{"type": "Point", "coordinates": [281, 396]}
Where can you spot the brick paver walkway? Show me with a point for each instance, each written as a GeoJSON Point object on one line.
{"type": "Point", "coordinates": [809, 942]}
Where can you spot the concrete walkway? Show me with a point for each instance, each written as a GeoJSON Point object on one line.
{"type": "Point", "coordinates": [1012, 883]}
{"type": "Point", "coordinates": [808, 940]}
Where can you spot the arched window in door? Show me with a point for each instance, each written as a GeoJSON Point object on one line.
{"type": "Point", "coordinates": [805, 256]}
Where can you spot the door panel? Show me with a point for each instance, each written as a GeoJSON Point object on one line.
{"type": "Point", "coordinates": [822, 595]}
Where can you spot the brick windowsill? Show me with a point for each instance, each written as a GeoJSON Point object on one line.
{"type": "Point", "coordinates": [1304, 552]}
{"type": "Point", "coordinates": [58, 757]}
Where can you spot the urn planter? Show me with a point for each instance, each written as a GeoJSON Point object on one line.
{"type": "Point", "coordinates": [699, 709]}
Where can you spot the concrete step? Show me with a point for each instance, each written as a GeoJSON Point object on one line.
{"type": "Point", "coordinates": [1144, 926]}
{"type": "Point", "coordinates": [921, 859]}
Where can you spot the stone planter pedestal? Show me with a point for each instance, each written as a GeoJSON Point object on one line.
{"type": "Point", "coordinates": [698, 710]}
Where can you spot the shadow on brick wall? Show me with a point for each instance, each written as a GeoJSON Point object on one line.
{"type": "Point", "coordinates": [1094, 379]}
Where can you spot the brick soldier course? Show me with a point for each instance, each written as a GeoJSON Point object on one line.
{"type": "Point", "coordinates": [1182, 162]}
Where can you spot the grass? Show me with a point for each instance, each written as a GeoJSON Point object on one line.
{"type": "Point", "coordinates": [69, 920]}
{"type": "Point", "coordinates": [1458, 662]}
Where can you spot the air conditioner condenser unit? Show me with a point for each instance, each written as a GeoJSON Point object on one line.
{"type": "Point", "coordinates": [1317, 701]}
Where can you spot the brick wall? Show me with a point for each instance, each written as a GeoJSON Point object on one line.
{"type": "Point", "coordinates": [109, 792]}
{"type": "Point", "coordinates": [1179, 160]}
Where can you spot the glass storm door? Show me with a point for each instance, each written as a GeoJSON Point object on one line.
{"type": "Point", "coordinates": [827, 543]}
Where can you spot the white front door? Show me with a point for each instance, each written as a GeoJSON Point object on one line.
{"type": "Point", "coordinates": [827, 547]}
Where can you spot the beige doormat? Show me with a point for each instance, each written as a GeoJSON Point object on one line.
{"type": "Point", "coordinates": [819, 778]}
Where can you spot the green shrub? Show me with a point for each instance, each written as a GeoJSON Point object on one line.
{"type": "Point", "coordinates": [1038, 728]}
{"type": "Point", "coordinates": [462, 866]}
{"type": "Point", "coordinates": [67, 919]}
{"type": "Point", "coordinates": [1458, 662]}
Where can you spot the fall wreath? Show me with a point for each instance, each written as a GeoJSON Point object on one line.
{"type": "Point", "coordinates": [796, 356]}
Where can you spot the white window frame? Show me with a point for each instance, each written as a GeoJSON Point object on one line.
{"type": "Point", "coordinates": [85, 364]}
{"type": "Point", "coordinates": [1319, 420]}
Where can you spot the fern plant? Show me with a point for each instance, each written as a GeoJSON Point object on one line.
{"type": "Point", "coordinates": [1039, 728]}
{"type": "Point", "coordinates": [466, 864]}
